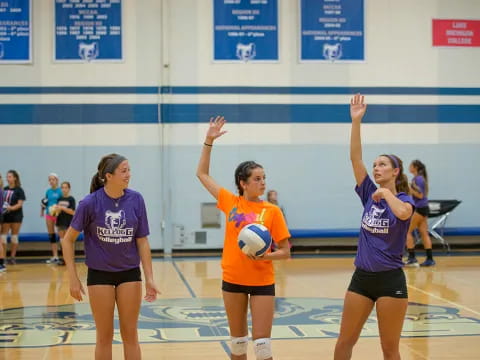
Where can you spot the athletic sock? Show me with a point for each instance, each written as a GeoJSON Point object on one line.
{"type": "Point", "coordinates": [411, 253]}
{"type": "Point", "coordinates": [429, 254]}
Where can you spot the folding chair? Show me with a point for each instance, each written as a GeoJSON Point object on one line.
{"type": "Point", "coordinates": [441, 209]}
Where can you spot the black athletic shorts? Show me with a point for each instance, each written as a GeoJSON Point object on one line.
{"type": "Point", "coordinates": [424, 211]}
{"type": "Point", "coordinates": [251, 290]}
{"type": "Point", "coordinates": [374, 285]}
{"type": "Point", "coordinates": [12, 217]}
{"type": "Point", "coordinates": [100, 277]}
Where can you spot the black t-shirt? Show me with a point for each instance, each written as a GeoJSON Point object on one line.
{"type": "Point", "coordinates": [64, 219]}
{"type": "Point", "coordinates": [12, 197]}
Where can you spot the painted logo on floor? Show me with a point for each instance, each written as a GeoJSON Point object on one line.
{"type": "Point", "coordinates": [185, 320]}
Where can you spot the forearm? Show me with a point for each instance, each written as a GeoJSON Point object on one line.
{"type": "Point", "coordinates": [399, 208]}
{"type": "Point", "coordinates": [68, 250]}
{"type": "Point", "coordinates": [282, 253]}
{"type": "Point", "coordinates": [204, 162]}
{"type": "Point", "coordinates": [145, 258]}
{"type": "Point", "coordinates": [355, 142]}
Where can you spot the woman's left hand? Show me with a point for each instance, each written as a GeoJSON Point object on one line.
{"type": "Point", "coordinates": [151, 291]}
{"type": "Point", "coordinates": [379, 194]}
{"type": "Point", "coordinates": [253, 257]}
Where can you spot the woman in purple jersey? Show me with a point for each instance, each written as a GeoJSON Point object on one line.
{"type": "Point", "coordinates": [114, 222]}
{"type": "Point", "coordinates": [419, 190]}
{"type": "Point", "coordinates": [378, 278]}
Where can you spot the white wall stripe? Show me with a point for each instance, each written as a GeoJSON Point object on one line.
{"type": "Point", "coordinates": [238, 134]}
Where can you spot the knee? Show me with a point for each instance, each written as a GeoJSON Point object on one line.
{"type": "Point", "coordinates": [262, 348]}
{"type": "Point", "coordinates": [104, 338]}
{"type": "Point", "coordinates": [239, 345]}
{"type": "Point", "coordinates": [129, 335]}
{"type": "Point", "coordinates": [390, 350]}
{"type": "Point", "coordinates": [344, 343]}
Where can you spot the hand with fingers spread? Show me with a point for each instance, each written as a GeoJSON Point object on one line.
{"type": "Point", "coordinates": [357, 107]}
{"type": "Point", "coordinates": [215, 129]}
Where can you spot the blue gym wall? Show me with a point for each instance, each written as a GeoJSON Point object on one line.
{"type": "Point", "coordinates": [292, 117]}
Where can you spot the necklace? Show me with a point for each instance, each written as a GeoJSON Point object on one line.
{"type": "Point", "coordinates": [116, 201]}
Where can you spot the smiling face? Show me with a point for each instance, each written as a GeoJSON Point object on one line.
{"type": "Point", "coordinates": [255, 184]}
{"type": "Point", "coordinates": [120, 177]}
{"type": "Point", "coordinates": [383, 171]}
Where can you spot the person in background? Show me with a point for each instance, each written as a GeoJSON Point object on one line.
{"type": "Point", "coordinates": [65, 210]}
{"type": "Point", "coordinates": [13, 198]}
{"type": "Point", "coordinates": [48, 206]}
{"type": "Point", "coordinates": [419, 190]}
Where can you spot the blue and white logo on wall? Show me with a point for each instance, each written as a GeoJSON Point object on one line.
{"type": "Point", "coordinates": [245, 30]}
{"type": "Point", "coordinates": [88, 30]}
{"type": "Point", "coordinates": [332, 30]}
{"type": "Point", "coordinates": [88, 52]}
{"type": "Point", "coordinates": [15, 31]}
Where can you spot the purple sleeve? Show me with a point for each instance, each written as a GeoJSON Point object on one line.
{"type": "Point", "coordinates": [366, 189]}
{"type": "Point", "coordinates": [142, 230]}
{"type": "Point", "coordinates": [407, 198]}
{"type": "Point", "coordinates": [420, 182]}
{"type": "Point", "coordinates": [79, 221]}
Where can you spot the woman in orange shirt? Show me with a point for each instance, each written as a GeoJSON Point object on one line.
{"type": "Point", "coordinates": [246, 277]}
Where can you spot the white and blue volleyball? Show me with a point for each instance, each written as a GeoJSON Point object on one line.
{"type": "Point", "coordinates": [254, 239]}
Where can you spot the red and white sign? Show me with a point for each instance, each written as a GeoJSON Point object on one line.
{"type": "Point", "coordinates": [456, 32]}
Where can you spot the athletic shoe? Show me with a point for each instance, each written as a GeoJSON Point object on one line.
{"type": "Point", "coordinates": [61, 262]}
{"type": "Point", "coordinates": [11, 261]}
{"type": "Point", "coordinates": [2, 268]}
{"type": "Point", "coordinates": [52, 260]}
{"type": "Point", "coordinates": [428, 262]}
{"type": "Point", "coordinates": [411, 262]}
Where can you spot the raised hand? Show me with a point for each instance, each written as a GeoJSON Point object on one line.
{"type": "Point", "coordinates": [215, 128]}
{"type": "Point", "coordinates": [357, 107]}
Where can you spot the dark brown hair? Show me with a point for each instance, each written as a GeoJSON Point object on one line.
{"type": "Point", "coordinates": [422, 171]}
{"type": "Point", "coordinates": [243, 172]}
{"type": "Point", "coordinates": [98, 179]}
{"type": "Point", "coordinates": [401, 181]}
{"type": "Point", "coordinates": [16, 176]}
{"type": "Point", "coordinates": [66, 183]}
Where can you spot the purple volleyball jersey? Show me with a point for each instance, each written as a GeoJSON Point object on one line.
{"type": "Point", "coordinates": [110, 228]}
{"type": "Point", "coordinates": [382, 234]}
{"type": "Point", "coordinates": [419, 181]}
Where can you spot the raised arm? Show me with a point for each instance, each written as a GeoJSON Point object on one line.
{"type": "Point", "coordinates": [203, 169]}
{"type": "Point", "coordinates": [357, 111]}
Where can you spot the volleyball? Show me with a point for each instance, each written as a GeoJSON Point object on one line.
{"type": "Point", "coordinates": [53, 210]}
{"type": "Point", "coordinates": [254, 239]}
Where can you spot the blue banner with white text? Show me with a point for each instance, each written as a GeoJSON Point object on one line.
{"type": "Point", "coordinates": [15, 31]}
{"type": "Point", "coordinates": [332, 30]}
{"type": "Point", "coordinates": [245, 30]}
{"type": "Point", "coordinates": [88, 30]}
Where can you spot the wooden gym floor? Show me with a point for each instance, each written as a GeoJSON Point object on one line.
{"type": "Point", "coordinates": [38, 319]}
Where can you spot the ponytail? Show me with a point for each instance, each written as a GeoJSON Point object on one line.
{"type": "Point", "coordinates": [422, 171]}
{"type": "Point", "coordinates": [96, 183]}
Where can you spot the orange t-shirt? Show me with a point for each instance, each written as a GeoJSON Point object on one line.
{"type": "Point", "coordinates": [237, 267]}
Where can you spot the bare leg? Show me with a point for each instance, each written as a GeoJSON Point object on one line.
{"type": "Point", "coordinates": [356, 309]}
{"type": "Point", "coordinates": [129, 299]}
{"type": "Point", "coordinates": [102, 303]}
{"type": "Point", "coordinates": [236, 306]}
{"type": "Point", "coordinates": [391, 313]}
{"type": "Point", "coordinates": [15, 231]}
{"type": "Point", "coordinates": [262, 309]}
{"type": "Point", "coordinates": [51, 230]}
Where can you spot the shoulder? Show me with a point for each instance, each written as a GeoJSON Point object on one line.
{"type": "Point", "coordinates": [90, 198]}
{"type": "Point", "coordinates": [405, 197]}
{"type": "Point", "coordinates": [133, 194]}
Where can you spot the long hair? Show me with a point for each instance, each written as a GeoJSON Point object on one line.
{"type": "Point", "coordinates": [243, 172]}
{"type": "Point", "coordinates": [422, 171]}
{"type": "Point", "coordinates": [16, 176]}
{"type": "Point", "coordinates": [98, 179]}
{"type": "Point", "coordinates": [401, 181]}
